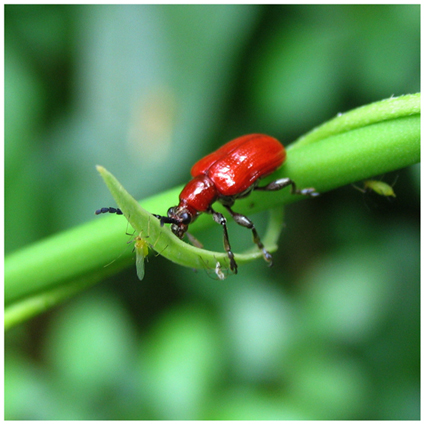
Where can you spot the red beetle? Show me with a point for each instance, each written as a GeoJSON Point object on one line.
{"type": "Point", "coordinates": [230, 173]}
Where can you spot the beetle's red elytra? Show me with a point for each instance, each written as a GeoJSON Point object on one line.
{"type": "Point", "coordinates": [231, 172]}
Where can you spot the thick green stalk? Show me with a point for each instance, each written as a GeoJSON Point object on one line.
{"type": "Point", "coordinates": [365, 142]}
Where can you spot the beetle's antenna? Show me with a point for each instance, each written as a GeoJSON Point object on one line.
{"type": "Point", "coordinates": [108, 210]}
{"type": "Point", "coordinates": [165, 220]}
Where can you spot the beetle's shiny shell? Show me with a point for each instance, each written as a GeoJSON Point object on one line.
{"type": "Point", "coordinates": [236, 166]}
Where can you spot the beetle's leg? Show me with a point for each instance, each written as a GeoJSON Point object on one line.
{"type": "Point", "coordinates": [220, 219]}
{"type": "Point", "coordinates": [244, 221]}
{"type": "Point", "coordinates": [194, 241]}
{"type": "Point", "coordinates": [281, 183]}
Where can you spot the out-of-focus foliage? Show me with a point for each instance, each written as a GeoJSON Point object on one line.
{"type": "Point", "coordinates": [330, 332]}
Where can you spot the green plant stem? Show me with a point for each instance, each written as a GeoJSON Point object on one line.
{"type": "Point", "coordinates": [384, 110]}
{"type": "Point", "coordinates": [377, 139]}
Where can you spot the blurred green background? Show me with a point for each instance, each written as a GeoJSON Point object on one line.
{"type": "Point", "coordinates": [330, 332]}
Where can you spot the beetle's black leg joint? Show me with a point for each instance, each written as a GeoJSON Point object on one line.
{"type": "Point", "coordinates": [281, 183]}
{"type": "Point", "coordinates": [220, 219]}
{"type": "Point", "coordinates": [244, 221]}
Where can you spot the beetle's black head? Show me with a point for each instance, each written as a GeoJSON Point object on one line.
{"type": "Point", "coordinates": [179, 218]}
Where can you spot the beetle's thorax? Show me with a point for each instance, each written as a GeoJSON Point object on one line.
{"type": "Point", "coordinates": [198, 195]}
{"type": "Point", "coordinates": [195, 198]}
